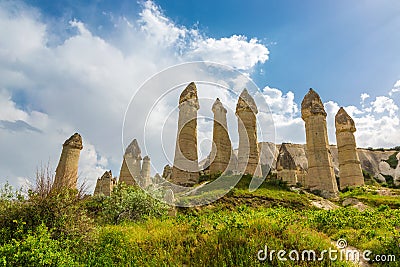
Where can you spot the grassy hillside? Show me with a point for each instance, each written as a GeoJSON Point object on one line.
{"type": "Point", "coordinates": [131, 229]}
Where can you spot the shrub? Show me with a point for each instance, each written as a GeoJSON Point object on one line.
{"type": "Point", "coordinates": [61, 210]}
{"type": "Point", "coordinates": [36, 249]}
{"type": "Point", "coordinates": [126, 203]}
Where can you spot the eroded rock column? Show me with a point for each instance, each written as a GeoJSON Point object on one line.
{"type": "Point", "coordinates": [67, 168]}
{"type": "Point", "coordinates": [146, 171]}
{"type": "Point", "coordinates": [131, 165]}
{"type": "Point", "coordinates": [350, 172]}
{"type": "Point", "coordinates": [186, 168]}
{"type": "Point", "coordinates": [248, 153]}
{"type": "Point", "coordinates": [105, 184]}
{"type": "Point", "coordinates": [222, 149]}
{"type": "Point", "coordinates": [320, 174]}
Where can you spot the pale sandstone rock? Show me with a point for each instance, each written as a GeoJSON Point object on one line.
{"type": "Point", "coordinates": [146, 169]}
{"type": "Point", "coordinates": [105, 184]}
{"type": "Point", "coordinates": [320, 174]}
{"type": "Point", "coordinates": [131, 165]}
{"type": "Point", "coordinates": [167, 172]}
{"type": "Point", "coordinates": [248, 152]}
{"type": "Point", "coordinates": [221, 153]}
{"type": "Point", "coordinates": [291, 164]}
{"type": "Point", "coordinates": [67, 168]}
{"type": "Point", "coordinates": [350, 172]}
{"type": "Point", "coordinates": [185, 170]}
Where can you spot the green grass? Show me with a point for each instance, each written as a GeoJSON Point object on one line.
{"type": "Point", "coordinates": [228, 232]}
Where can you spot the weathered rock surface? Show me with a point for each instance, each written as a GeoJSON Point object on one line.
{"type": "Point", "coordinates": [105, 184]}
{"type": "Point", "coordinates": [67, 168]}
{"type": "Point", "coordinates": [131, 164]}
{"type": "Point", "coordinates": [248, 152]}
{"type": "Point", "coordinates": [146, 172]}
{"type": "Point", "coordinates": [185, 170]}
{"type": "Point", "coordinates": [291, 164]}
{"type": "Point", "coordinates": [350, 172]}
{"type": "Point", "coordinates": [222, 153]}
{"type": "Point", "coordinates": [320, 175]}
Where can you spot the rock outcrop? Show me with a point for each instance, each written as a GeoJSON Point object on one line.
{"type": "Point", "coordinates": [146, 171]}
{"type": "Point", "coordinates": [350, 173]}
{"type": "Point", "coordinates": [320, 174]}
{"type": "Point", "coordinates": [185, 170]}
{"type": "Point", "coordinates": [105, 184]}
{"type": "Point", "coordinates": [291, 164]}
{"type": "Point", "coordinates": [131, 164]}
{"type": "Point", "coordinates": [67, 168]}
{"type": "Point", "coordinates": [221, 154]}
{"type": "Point", "coordinates": [248, 153]}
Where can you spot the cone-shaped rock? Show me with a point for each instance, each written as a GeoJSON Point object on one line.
{"type": "Point", "coordinates": [350, 172]}
{"type": "Point", "coordinates": [186, 168]}
{"type": "Point", "coordinates": [131, 164]}
{"type": "Point", "coordinates": [221, 153]}
{"type": "Point", "coordinates": [320, 174]}
{"type": "Point", "coordinates": [248, 153]}
{"type": "Point", "coordinates": [105, 184]}
{"type": "Point", "coordinates": [67, 168]}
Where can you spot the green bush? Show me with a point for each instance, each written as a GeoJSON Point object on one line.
{"type": "Point", "coordinates": [126, 203]}
{"type": "Point", "coordinates": [36, 249]}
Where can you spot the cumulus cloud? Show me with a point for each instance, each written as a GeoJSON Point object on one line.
{"type": "Point", "coordinates": [84, 82]}
{"type": "Point", "coordinates": [396, 88]}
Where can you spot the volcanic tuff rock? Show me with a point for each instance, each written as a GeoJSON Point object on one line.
{"type": "Point", "coordinates": [105, 184]}
{"type": "Point", "coordinates": [67, 169]}
{"type": "Point", "coordinates": [221, 153]}
{"type": "Point", "coordinates": [320, 175]}
{"type": "Point", "coordinates": [185, 170]}
{"type": "Point", "coordinates": [248, 153]}
{"type": "Point", "coordinates": [349, 164]}
{"type": "Point", "coordinates": [131, 164]}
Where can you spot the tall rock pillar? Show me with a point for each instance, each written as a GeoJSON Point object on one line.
{"type": "Point", "coordinates": [67, 169]}
{"type": "Point", "coordinates": [131, 165]}
{"type": "Point", "coordinates": [222, 149]}
{"type": "Point", "coordinates": [186, 167]}
{"type": "Point", "coordinates": [248, 153]}
{"type": "Point", "coordinates": [320, 174]}
{"type": "Point", "coordinates": [146, 171]}
{"type": "Point", "coordinates": [350, 172]}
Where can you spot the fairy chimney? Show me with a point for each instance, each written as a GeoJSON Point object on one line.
{"type": "Point", "coordinates": [67, 169]}
{"type": "Point", "coordinates": [248, 153]}
{"type": "Point", "coordinates": [131, 165]}
{"type": "Point", "coordinates": [185, 170]}
{"type": "Point", "coordinates": [350, 173]}
{"type": "Point", "coordinates": [320, 174]}
{"type": "Point", "coordinates": [222, 148]}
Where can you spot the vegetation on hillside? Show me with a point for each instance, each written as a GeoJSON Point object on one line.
{"type": "Point", "coordinates": [50, 227]}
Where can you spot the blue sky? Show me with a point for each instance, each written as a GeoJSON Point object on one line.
{"type": "Point", "coordinates": [69, 66]}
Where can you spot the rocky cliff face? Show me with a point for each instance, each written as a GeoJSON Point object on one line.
{"type": "Point", "coordinates": [372, 161]}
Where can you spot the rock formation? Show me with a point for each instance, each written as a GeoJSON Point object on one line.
{"type": "Point", "coordinates": [131, 164]}
{"type": "Point", "coordinates": [320, 174]}
{"type": "Point", "coordinates": [67, 168]}
{"type": "Point", "coordinates": [350, 172]}
{"type": "Point", "coordinates": [185, 170]}
{"type": "Point", "coordinates": [105, 184]}
{"type": "Point", "coordinates": [222, 150]}
{"type": "Point", "coordinates": [248, 153]}
{"type": "Point", "coordinates": [291, 164]}
{"type": "Point", "coordinates": [167, 172]}
{"type": "Point", "coordinates": [146, 171]}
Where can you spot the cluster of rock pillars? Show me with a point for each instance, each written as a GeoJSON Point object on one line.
{"type": "Point", "coordinates": [186, 171]}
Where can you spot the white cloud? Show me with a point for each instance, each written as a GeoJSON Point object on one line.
{"type": "Point", "coordinates": [396, 88]}
{"type": "Point", "coordinates": [383, 103]}
{"type": "Point", "coordinates": [84, 83]}
{"type": "Point", "coordinates": [235, 51]}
